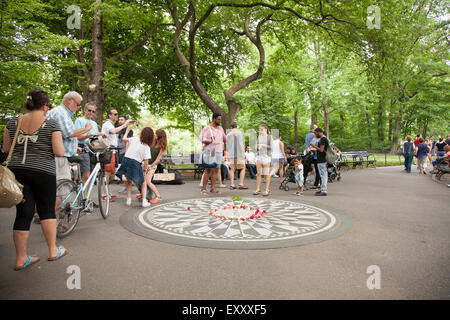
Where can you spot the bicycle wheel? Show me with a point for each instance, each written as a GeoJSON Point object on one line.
{"type": "Point", "coordinates": [67, 217]}
{"type": "Point", "coordinates": [104, 197]}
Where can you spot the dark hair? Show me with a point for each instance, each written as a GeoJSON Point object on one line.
{"type": "Point", "coordinates": [265, 127]}
{"type": "Point", "coordinates": [233, 125]}
{"type": "Point", "coordinates": [147, 136]}
{"type": "Point", "coordinates": [111, 109]}
{"type": "Point", "coordinates": [36, 99]}
{"type": "Point", "coordinates": [123, 116]}
{"type": "Point", "coordinates": [299, 158]}
{"type": "Point", "coordinates": [216, 115]}
{"type": "Point", "coordinates": [421, 140]}
{"type": "Point", "coordinates": [318, 130]}
{"type": "Point", "coordinates": [162, 139]}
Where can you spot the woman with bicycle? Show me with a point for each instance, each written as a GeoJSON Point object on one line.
{"type": "Point", "coordinates": [138, 152]}
{"type": "Point", "coordinates": [33, 163]}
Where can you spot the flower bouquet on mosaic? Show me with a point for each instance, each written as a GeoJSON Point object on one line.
{"type": "Point", "coordinates": [237, 211]}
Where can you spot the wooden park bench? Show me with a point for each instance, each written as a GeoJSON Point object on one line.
{"type": "Point", "coordinates": [357, 158]}
{"type": "Point", "coordinates": [170, 162]}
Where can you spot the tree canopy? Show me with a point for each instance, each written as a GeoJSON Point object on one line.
{"type": "Point", "coordinates": [367, 81]}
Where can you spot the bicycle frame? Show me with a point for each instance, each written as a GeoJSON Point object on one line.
{"type": "Point", "coordinates": [82, 188]}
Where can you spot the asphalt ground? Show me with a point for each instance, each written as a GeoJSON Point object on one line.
{"type": "Point", "coordinates": [401, 225]}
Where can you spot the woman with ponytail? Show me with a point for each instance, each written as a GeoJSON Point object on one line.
{"type": "Point", "coordinates": [33, 164]}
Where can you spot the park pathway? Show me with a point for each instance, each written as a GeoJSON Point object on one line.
{"type": "Point", "coordinates": [401, 224]}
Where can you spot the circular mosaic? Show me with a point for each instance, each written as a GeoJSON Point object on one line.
{"type": "Point", "coordinates": [254, 223]}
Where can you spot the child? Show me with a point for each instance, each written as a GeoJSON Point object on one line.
{"type": "Point", "coordinates": [158, 148]}
{"type": "Point", "coordinates": [138, 152]}
{"type": "Point", "coordinates": [299, 175]}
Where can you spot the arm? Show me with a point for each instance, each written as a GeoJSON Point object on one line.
{"type": "Point", "coordinates": [117, 130]}
{"type": "Point", "coordinates": [282, 150]}
{"type": "Point", "coordinates": [158, 158]}
{"type": "Point", "coordinates": [145, 165]}
{"type": "Point", "coordinates": [57, 144]}
{"type": "Point", "coordinates": [6, 141]}
{"type": "Point", "coordinates": [125, 136]}
{"type": "Point", "coordinates": [81, 131]}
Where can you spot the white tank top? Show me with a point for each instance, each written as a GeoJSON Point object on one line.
{"type": "Point", "coordinates": [276, 151]}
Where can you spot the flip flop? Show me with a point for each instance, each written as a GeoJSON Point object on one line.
{"type": "Point", "coordinates": [204, 192]}
{"type": "Point", "coordinates": [215, 191]}
{"type": "Point", "coordinates": [27, 263]}
{"type": "Point", "coordinates": [232, 187]}
{"type": "Point", "coordinates": [243, 187]}
{"type": "Point", "coordinates": [59, 255]}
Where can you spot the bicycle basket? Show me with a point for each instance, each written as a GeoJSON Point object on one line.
{"type": "Point", "coordinates": [105, 157]}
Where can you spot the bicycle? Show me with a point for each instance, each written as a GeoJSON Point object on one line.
{"type": "Point", "coordinates": [72, 195]}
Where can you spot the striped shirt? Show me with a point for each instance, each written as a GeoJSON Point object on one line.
{"type": "Point", "coordinates": [33, 151]}
{"type": "Point", "coordinates": [64, 118]}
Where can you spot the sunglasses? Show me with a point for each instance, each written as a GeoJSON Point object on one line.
{"type": "Point", "coordinates": [93, 111]}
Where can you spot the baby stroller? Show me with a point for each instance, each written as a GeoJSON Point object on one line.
{"type": "Point", "coordinates": [334, 174]}
{"type": "Point", "coordinates": [290, 170]}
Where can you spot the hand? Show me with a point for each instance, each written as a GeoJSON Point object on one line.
{"type": "Point", "coordinates": [88, 126]}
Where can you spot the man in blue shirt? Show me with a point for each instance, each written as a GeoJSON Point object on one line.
{"type": "Point", "coordinates": [89, 111]}
{"type": "Point", "coordinates": [309, 137]}
{"type": "Point", "coordinates": [63, 114]}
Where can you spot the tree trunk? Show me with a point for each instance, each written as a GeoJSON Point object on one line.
{"type": "Point", "coordinates": [95, 91]}
{"type": "Point", "coordinates": [369, 132]}
{"type": "Point", "coordinates": [395, 137]}
{"type": "Point", "coordinates": [380, 123]}
{"type": "Point", "coordinates": [341, 116]}
{"type": "Point", "coordinates": [296, 127]}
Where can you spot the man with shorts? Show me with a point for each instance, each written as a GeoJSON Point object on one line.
{"type": "Point", "coordinates": [85, 163]}
{"type": "Point", "coordinates": [213, 138]}
{"type": "Point", "coordinates": [236, 152]}
{"type": "Point", "coordinates": [63, 115]}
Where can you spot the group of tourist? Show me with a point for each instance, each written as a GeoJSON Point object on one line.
{"type": "Point", "coordinates": [270, 158]}
{"type": "Point", "coordinates": [423, 150]}
{"type": "Point", "coordinates": [47, 138]}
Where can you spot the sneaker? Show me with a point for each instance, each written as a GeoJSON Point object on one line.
{"type": "Point", "coordinates": [276, 176]}
{"type": "Point", "coordinates": [128, 201]}
{"type": "Point", "coordinates": [145, 203]}
{"type": "Point", "coordinates": [297, 193]}
{"type": "Point", "coordinates": [321, 194]}
{"type": "Point", "coordinates": [300, 193]}
{"type": "Point", "coordinates": [155, 200]}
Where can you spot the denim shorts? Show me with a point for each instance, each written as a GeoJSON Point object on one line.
{"type": "Point", "coordinates": [131, 169]}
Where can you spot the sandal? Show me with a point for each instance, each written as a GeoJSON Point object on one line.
{"type": "Point", "coordinates": [215, 191]}
{"type": "Point", "coordinates": [257, 192]}
{"type": "Point", "coordinates": [27, 263]}
{"type": "Point", "coordinates": [232, 187]}
{"type": "Point", "coordinates": [243, 187]}
{"type": "Point", "coordinates": [265, 194]}
{"type": "Point", "coordinates": [204, 192]}
{"type": "Point", "coordinates": [59, 255]}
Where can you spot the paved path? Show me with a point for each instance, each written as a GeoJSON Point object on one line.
{"type": "Point", "coordinates": [401, 224]}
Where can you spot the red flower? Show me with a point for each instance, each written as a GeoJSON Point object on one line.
{"type": "Point", "coordinates": [243, 219]}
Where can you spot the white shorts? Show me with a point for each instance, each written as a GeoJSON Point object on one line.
{"type": "Point", "coordinates": [62, 168]}
{"type": "Point", "coordinates": [264, 159]}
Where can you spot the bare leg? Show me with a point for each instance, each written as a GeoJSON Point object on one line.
{"type": "Point", "coordinates": [205, 178]}
{"type": "Point", "coordinates": [231, 172]}
{"type": "Point", "coordinates": [242, 177]}
{"type": "Point", "coordinates": [214, 173]}
{"type": "Point", "coordinates": [49, 230]}
{"type": "Point", "coordinates": [20, 242]}
{"type": "Point", "coordinates": [258, 175]}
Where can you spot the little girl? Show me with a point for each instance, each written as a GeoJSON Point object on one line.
{"type": "Point", "coordinates": [138, 151]}
{"type": "Point", "coordinates": [158, 148]}
{"type": "Point", "coordinates": [299, 175]}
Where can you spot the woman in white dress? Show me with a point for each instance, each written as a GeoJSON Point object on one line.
{"type": "Point", "coordinates": [263, 159]}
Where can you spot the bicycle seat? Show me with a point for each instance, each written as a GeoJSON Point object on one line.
{"type": "Point", "coordinates": [74, 159]}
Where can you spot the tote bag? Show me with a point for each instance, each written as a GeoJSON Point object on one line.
{"type": "Point", "coordinates": [10, 188]}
